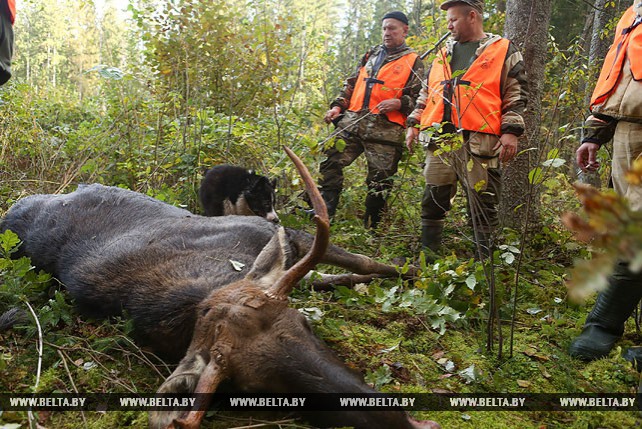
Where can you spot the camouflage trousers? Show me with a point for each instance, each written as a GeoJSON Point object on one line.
{"type": "Point", "coordinates": [375, 137]}
{"type": "Point", "coordinates": [627, 147]}
{"type": "Point", "coordinates": [6, 48]}
{"type": "Point", "coordinates": [476, 166]}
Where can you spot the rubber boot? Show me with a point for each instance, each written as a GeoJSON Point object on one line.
{"type": "Point", "coordinates": [374, 209]}
{"type": "Point", "coordinates": [331, 199]}
{"type": "Point", "coordinates": [605, 323]}
{"type": "Point", "coordinates": [634, 355]}
{"type": "Point", "coordinates": [432, 232]}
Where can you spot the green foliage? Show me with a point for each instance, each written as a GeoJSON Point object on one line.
{"type": "Point", "coordinates": [18, 279]}
{"type": "Point", "coordinates": [394, 299]}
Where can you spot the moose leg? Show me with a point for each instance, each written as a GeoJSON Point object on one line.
{"type": "Point", "coordinates": [354, 262]}
{"type": "Point", "coordinates": [321, 281]}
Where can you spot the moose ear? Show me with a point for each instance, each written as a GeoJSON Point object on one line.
{"type": "Point", "coordinates": [273, 260]}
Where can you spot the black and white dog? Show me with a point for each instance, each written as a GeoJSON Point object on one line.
{"type": "Point", "coordinates": [230, 190]}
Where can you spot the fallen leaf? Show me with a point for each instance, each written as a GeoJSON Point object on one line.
{"type": "Point", "coordinates": [438, 355]}
{"type": "Point", "coordinates": [238, 266]}
{"type": "Point", "coordinates": [532, 353]}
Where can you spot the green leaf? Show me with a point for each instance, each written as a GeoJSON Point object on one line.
{"type": "Point", "coordinates": [508, 257]}
{"type": "Point", "coordinates": [535, 176]}
{"type": "Point", "coordinates": [554, 162]}
{"type": "Point", "coordinates": [479, 186]}
{"type": "Point", "coordinates": [9, 240]}
{"type": "Point", "coordinates": [471, 282]}
{"type": "Point", "coordinates": [380, 377]}
{"type": "Point", "coordinates": [22, 266]}
{"type": "Point", "coordinates": [470, 374]}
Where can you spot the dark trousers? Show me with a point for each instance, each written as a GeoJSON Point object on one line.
{"type": "Point", "coordinates": [382, 161]}
{"type": "Point", "coordinates": [482, 205]}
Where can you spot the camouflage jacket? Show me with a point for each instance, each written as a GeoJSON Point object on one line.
{"type": "Point", "coordinates": [410, 92]}
{"type": "Point", "coordinates": [513, 87]}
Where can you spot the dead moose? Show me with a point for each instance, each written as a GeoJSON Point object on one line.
{"type": "Point", "coordinates": [177, 276]}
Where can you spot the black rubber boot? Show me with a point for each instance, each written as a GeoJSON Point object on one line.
{"type": "Point", "coordinates": [605, 323]}
{"type": "Point", "coordinates": [374, 209]}
{"type": "Point", "coordinates": [331, 199]}
{"type": "Point", "coordinates": [431, 235]}
{"type": "Point", "coordinates": [634, 355]}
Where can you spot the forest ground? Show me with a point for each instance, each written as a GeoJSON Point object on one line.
{"type": "Point", "coordinates": [375, 329]}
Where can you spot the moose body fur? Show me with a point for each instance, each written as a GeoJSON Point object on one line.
{"type": "Point", "coordinates": [195, 289]}
{"type": "Point", "coordinates": [120, 251]}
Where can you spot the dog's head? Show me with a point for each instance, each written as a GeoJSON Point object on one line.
{"type": "Point", "coordinates": [260, 196]}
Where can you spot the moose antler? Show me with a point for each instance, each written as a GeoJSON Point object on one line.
{"type": "Point", "coordinates": [209, 380]}
{"type": "Point", "coordinates": [282, 287]}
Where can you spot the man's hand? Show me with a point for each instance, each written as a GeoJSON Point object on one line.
{"type": "Point", "coordinates": [411, 137]}
{"type": "Point", "coordinates": [332, 114]}
{"type": "Point", "coordinates": [586, 156]}
{"type": "Point", "coordinates": [508, 147]}
{"type": "Point", "coordinates": [389, 105]}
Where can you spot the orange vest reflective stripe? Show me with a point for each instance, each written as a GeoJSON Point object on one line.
{"type": "Point", "coordinates": [627, 44]}
{"type": "Point", "coordinates": [477, 101]}
{"type": "Point", "coordinates": [394, 76]}
{"type": "Point", "coordinates": [12, 10]}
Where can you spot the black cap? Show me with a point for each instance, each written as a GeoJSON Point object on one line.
{"type": "Point", "coordinates": [399, 16]}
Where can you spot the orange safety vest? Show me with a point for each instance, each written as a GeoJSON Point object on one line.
{"type": "Point", "coordinates": [389, 83]}
{"type": "Point", "coordinates": [12, 10]}
{"type": "Point", "coordinates": [476, 97]}
{"type": "Point", "coordinates": [627, 43]}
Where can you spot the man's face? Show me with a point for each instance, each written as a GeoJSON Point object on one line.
{"type": "Point", "coordinates": [460, 22]}
{"type": "Point", "coordinates": [394, 32]}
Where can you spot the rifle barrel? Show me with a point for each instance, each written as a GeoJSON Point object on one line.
{"type": "Point", "coordinates": [431, 50]}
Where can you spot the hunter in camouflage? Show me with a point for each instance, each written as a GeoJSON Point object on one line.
{"type": "Point", "coordinates": [470, 114]}
{"type": "Point", "coordinates": [370, 115]}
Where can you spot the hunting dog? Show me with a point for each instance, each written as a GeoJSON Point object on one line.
{"type": "Point", "coordinates": [231, 190]}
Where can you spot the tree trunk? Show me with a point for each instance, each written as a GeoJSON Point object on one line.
{"type": "Point", "coordinates": [527, 23]}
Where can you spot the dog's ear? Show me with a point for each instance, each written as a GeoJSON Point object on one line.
{"type": "Point", "coordinates": [253, 182]}
{"type": "Point", "coordinates": [273, 183]}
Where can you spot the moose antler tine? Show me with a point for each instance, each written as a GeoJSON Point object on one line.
{"type": "Point", "coordinates": [209, 380]}
{"type": "Point", "coordinates": [282, 288]}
